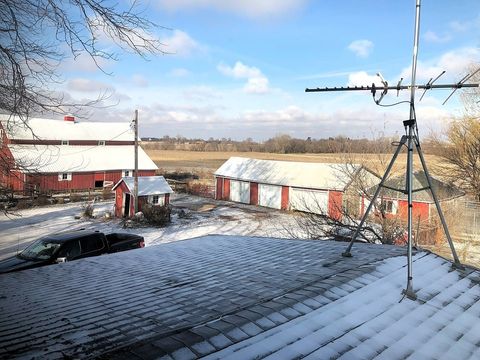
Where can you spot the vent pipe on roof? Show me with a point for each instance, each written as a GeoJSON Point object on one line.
{"type": "Point", "coordinates": [69, 118]}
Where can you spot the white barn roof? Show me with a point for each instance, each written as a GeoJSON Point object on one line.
{"type": "Point", "coordinates": [48, 129]}
{"type": "Point", "coordinates": [296, 174]}
{"type": "Point", "coordinates": [54, 159]}
{"type": "Point", "coordinates": [147, 185]}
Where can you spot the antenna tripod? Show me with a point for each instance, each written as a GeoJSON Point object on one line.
{"type": "Point", "coordinates": [410, 140]}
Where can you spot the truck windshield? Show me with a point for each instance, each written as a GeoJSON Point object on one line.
{"type": "Point", "coordinates": [42, 249]}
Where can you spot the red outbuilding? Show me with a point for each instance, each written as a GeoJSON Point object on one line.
{"type": "Point", "coordinates": [308, 187]}
{"type": "Point", "coordinates": [44, 155]}
{"type": "Point", "coordinates": [152, 190]}
{"type": "Point", "coordinates": [395, 203]}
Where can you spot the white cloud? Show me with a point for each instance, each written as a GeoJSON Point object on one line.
{"type": "Point", "coordinates": [181, 44]}
{"type": "Point", "coordinates": [140, 80]}
{"type": "Point", "coordinates": [257, 83]}
{"type": "Point", "coordinates": [86, 85]}
{"type": "Point", "coordinates": [433, 37]}
{"type": "Point", "coordinates": [361, 48]}
{"type": "Point", "coordinates": [239, 71]}
{"type": "Point", "coordinates": [85, 63]}
{"type": "Point", "coordinates": [249, 8]}
{"type": "Point", "coordinates": [455, 63]}
{"type": "Point", "coordinates": [362, 78]}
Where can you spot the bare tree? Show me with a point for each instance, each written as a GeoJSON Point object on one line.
{"type": "Point", "coordinates": [37, 36]}
{"type": "Point", "coordinates": [462, 154]}
{"type": "Point", "coordinates": [358, 174]}
{"type": "Point", "coordinates": [461, 150]}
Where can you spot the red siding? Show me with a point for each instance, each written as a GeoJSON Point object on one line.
{"type": "Point", "coordinates": [142, 200]}
{"type": "Point", "coordinates": [335, 204]}
{"type": "Point", "coordinates": [254, 193]}
{"type": "Point", "coordinates": [420, 210]}
{"type": "Point", "coordinates": [80, 181]}
{"type": "Point", "coordinates": [226, 189]}
{"type": "Point", "coordinates": [9, 178]}
{"type": "Point", "coordinates": [285, 196]}
{"type": "Point", "coordinates": [119, 199]}
{"type": "Point", "coordinates": [219, 188]}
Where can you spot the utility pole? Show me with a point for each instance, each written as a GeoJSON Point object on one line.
{"type": "Point", "coordinates": [135, 171]}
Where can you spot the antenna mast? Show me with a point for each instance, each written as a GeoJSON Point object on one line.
{"type": "Point", "coordinates": [408, 140]}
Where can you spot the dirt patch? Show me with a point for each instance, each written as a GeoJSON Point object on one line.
{"type": "Point", "coordinates": [206, 208]}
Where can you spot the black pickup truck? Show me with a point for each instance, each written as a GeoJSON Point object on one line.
{"type": "Point", "coordinates": [68, 246]}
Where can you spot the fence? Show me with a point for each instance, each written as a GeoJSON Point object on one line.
{"type": "Point", "coordinates": [463, 217]}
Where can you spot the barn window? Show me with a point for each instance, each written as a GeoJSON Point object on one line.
{"type": "Point", "coordinates": [155, 199]}
{"type": "Point", "coordinates": [101, 143]}
{"type": "Point", "coordinates": [65, 142]}
{"type": "Point", "coordinates": [389, 206]}
{"type": "Point", "coordinates": [64, 177]}
{"type": "Point", "coordinates": [126, 173]}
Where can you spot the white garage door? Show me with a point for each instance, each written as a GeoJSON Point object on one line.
{"type": "Point", "coordinates": [240, 191]}
{"type": "Point", "coordinates": [270, 196]}
{"type": "Point", "coordinates": [313, 201]}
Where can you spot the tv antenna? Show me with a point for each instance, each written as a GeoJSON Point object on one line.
{"type": "Point", "coordinates": [410, 139]}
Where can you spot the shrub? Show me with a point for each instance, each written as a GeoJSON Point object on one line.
{"type": "Point", "coordinates": [42, 200]}
{"type": "Point", "coordinates": [87, 210]}
{"type": "Point", "coordinates": [201, 189]}
{"type": "Point", "coordinates": [75, 197]}
{"type": "Point", "coordinates": [156, 215]}
{"type": "Point", "coordinates": [23, 204]}
{"type": "Point", "coordinates": [107, 193]}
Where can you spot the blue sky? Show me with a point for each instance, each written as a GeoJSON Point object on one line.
{"type": "Point", "coordinates": [238, 69]}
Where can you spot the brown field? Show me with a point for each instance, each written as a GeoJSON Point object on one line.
{"type": "Point", "coordinates": [205, 163]}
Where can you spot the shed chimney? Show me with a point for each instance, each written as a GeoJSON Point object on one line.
{"type": "Point", "coordinates": [69, 118]}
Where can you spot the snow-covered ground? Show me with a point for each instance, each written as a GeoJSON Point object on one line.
{"type": "Point", "coordinates": [202, 217]}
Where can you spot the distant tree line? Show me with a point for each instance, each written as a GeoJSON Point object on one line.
{"type": "Point", "coordinates": [282, 144]}
{"type": "Point", "coordinates": [285, 144]}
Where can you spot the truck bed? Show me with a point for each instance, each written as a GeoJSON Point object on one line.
{"type": "Point", "coordinates": [124, 241]}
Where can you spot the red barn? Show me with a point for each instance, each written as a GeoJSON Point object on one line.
{"type": "Point", "coordinates": [47, 155]}
{"type": "Point", "coordinates": [395, 203]}
{"type": "Point", "coordinates": [308, 187]}
{"type": "Point", "coordinates": [152, 190]}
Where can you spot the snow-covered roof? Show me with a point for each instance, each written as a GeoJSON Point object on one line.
{"type": "Point", "coordinates": [230, 297]}
{"type": "Point", "coordinates": [147, 185]}
{"type": "Point", "coordinates": [287, 173]}
{"type": "Point", "coordinates": [64, 158]}
{"type": "Point", "coordinates": [48, 129]}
